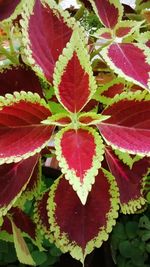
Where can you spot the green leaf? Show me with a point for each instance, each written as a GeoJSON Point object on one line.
{"type": "Point", "coordinates": [131, 229]}
{"type": "Point", "coordinates": [125, 249]}
{"type": "Point", "coordinates": [39, 257]}
{"type": "Point", "coordinates": [22, 250]}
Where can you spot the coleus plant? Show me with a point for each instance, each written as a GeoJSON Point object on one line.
{"type": "Point", "coordinates": [103, 156]}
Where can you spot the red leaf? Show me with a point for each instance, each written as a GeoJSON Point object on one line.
{"type": "Point", "coordinates": [123, 59]}
{"type": "Point", "coordinates": [74, 88]}
{"type": "Point", "coordinates": [108, 11]}
{"type": "Point", "coordinates": [48, 34]}
{"type": "Point", "coordinates": [79, 153]}
{"type": "Point", "coordinates": [113, 90]}
{"type": "Point", "coordinates": [13, 180]}
{"type": "Point", "coordinates": [129, 180]}
{"type": "Point", "coordinates": [19, 78]}
{"type": "Point", "coordinates": [128, 128]}
{"type": "Point", "coordinates": [121, 31]}
{"type": "Point", "coordinates": [7, 7]}
{"type": "Point", "coordinates": [81, 228]}
{"type": "Point", "coordinates": [22, 134]}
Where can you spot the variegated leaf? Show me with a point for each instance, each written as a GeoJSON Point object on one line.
{"type": "Point", "coordinates": [79, 152]}
{"type": "Point", "coordinates": [126, 28]}
{"type": "Point", "coordinates": [73, 79]}
{"type": "Point", "coordinates": [122, 58]}
{"type": "Point", "coordinates": [128, 128]}
{"type": "Point", "coordinates": [46, 30]}
{"type": "Point", "coordinates": [91, 118]}
{"type": "Point", "coordinates": [22, 134]}
{"type": "Point", "coordinates": [129, 181]}
{"type": "Point", "coordinates": [79, 229]}
{"type": "Point", "coordinates": [61, 119]}
{"type": "Point", "coordinates": [109, 11]}
{"type": "Point", "coordinates": [106, 93]}
{"type": "Point", "coordinates": [14, 178]}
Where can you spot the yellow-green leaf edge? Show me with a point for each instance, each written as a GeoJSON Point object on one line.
{"type": "Point", "coordinates": [82, 190]}
{"type": "Point", "coordinates": [62, 241]}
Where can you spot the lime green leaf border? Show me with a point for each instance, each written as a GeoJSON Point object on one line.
{"type": "Point", "coordinates": [81, 189]}
{"type": "Point", "coordinates": [62, 241]}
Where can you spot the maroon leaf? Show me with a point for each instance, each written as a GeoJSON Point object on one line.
{"type": "Point", "coordinates": [48, 34]}
{"type": "Point", "coordinates": [13, 180]}
{"type": "Point", "coordinates": [108, 11]}
{"type": "Point", "coordinates": [77, 228]}
{"type": "Point", "coordinates": [123, 59]}
{"type": "Point", "coordinates": [19, 78]}
{"type": "Point", "coordinates": [7, 7]}
{"type": "Point", "coordinates": [128, 128]}
{"type": "Point", "coordinates": [21, 132]}
{"type": "Point", "coordinates": [129, 180]}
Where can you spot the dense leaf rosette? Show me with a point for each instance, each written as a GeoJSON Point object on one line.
{"type": "Point", "coordinates": [21, 131]}
{"type": "Point", "coordinates": [77, 228]}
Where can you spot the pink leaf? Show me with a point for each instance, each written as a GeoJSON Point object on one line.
{"type": "Point", "coordinates": [123, 59]}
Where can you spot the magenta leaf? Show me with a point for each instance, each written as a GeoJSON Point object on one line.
{"type": "Point", "coordinates": [128, 128]}
{"type": "Point", "coordinates": [46, 29]}
{"type": "Point", "coordinates": [122, 58]}
{"type": "Point", "coordinates": [128, 180]}
{"type": "Point", "coordinates": [109, 12]}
